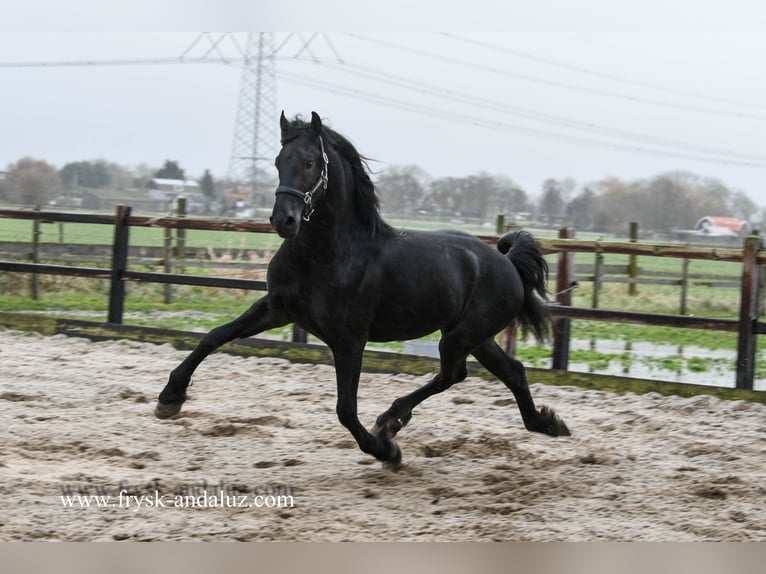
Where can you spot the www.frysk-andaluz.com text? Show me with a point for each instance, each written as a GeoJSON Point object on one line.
{"type": "Point", "coordinates": [195, 495]}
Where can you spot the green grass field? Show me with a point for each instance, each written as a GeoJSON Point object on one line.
{"type": "Point", "coordinates": [101, 234]}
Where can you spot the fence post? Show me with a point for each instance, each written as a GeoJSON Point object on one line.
{"type": "Point", "coordinates": [181, 233]}
{"type": "Point", "coordinates": [299, 335]}
{"type": "Point", "coordinates": [562, 327]}
{"type": "Point", "coordinates": [748, 314]}
{"type": "Point", "coordinates": [633, 261]}
{"type": "Point", "coordinates": [597, 264]}
{"type": "Point", "coordinates": [500, 224]}
{"type": "Point", "coordinates": [167, 262]}
{"type": "Point", "coordinates": [34, 284]}
{"type": "Point", "coordinates": [508, 339]}
{"type": "Point", "coordinates": [762, 292]}
{"type": "Point", "coordinates": [684, 285]}
{"type": "Point", "coordinates": [119, 264]}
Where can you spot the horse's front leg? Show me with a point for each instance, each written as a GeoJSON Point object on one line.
{"type": "Point", "coordinates": [256, 319]}
{"type": "Point", "coordinates": [348, 366]}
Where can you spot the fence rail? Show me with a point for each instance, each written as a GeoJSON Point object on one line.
{"type": "Point", "coordinates": [747, 325]}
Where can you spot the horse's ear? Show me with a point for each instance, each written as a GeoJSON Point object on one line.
{"type": "Point", "coordinates": [316, 125]}
{"type": "Point", "coordinates": [283, 123]}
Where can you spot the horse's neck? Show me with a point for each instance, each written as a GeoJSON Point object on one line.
{"type": "Point", "coordinates": [334, 236]}
{"type": "Point", "coordinates": [319, 237]}
{"type": "Point", "coordinates": [335, 231]}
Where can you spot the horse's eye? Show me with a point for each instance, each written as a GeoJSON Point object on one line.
{"type": "Point", "coordinates": [309, 164]}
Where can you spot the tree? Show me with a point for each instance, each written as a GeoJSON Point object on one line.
{"type": "Point", "coordinates": [141, 173]}
{"type": "Point", "coordinates": [493, 195]}
{"type": "Point", "coordinates": [171, 170]}
{"type": "Point", "coordinates": [551, 202]}
{"type": "Point", "coordinates": [617, 205]}
{"type": "Point", "coordinates": [667, 203]}
{"type": "Point", "coordinates": [401, 189]}
{"type": "Point", "coordinates": [742, 206]}
{"type": "Point", "coordinates": [120, 176]}
{"type": "Point", "coordinates": [582, 210]}
{"type": "Point", "coordinates": [88, 174]}
{"type": "Point", "coordinates": [663, 203]}
{"type": "Point", "coordinates": [442, 196]}
{"type": "Point", "coordinates": [31, 181]}
{"type": "Point", "coordinates": [478, 191]}
{"type": "Point", "coordinates": [207, 185]}
{"type": "Point", "coordinates": [479, 195]}
{"type": "Point", "coordinates": [509, 197]}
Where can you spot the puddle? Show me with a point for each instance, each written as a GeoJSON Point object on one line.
{"type": "Point", "coordinates": [685, 364]}
{"type": "Point", "coordinates": [682, 364]}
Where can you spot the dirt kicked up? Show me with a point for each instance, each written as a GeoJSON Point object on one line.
{"type": "Point", "coordinates": [258, 454]}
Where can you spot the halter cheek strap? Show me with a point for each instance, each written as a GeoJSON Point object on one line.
{"type": "Point", "coordinates": [308, 196]}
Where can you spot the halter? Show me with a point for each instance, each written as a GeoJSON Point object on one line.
{"type": "Point", "coordinates": [308, 196]}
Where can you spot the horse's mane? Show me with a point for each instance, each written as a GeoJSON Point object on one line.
{"type": "Point", "coordinates": [366, 201]}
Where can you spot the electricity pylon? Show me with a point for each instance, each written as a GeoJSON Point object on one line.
{"type": "Point", "coordinates": [256, 138]}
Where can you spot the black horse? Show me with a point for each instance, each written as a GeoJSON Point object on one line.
{"type": "Point", "coordinates": [347, 277]}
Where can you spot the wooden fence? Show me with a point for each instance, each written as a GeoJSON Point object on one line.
{"type": "Point", "coordinates": [232, 259]}
{"type": "Point", "coordinates": [747, 325]}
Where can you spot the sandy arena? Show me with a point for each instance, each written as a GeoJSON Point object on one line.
{"type": "Point", "coordinates": [77, 420]}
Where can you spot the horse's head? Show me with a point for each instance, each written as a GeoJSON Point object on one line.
{"type": "Point", "coordinates": [302, 166]}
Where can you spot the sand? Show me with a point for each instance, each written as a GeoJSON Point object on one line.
{"type": "Point", "coordinates": [258, 454]}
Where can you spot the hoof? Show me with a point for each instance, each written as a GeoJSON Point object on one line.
{"type": "Point", "coordinates": [393, 459]}
{"type": "Point", "coordinates": [552, 423]}
{"type": "Point", "coordinates": [390, 427]}
{"type": "Point", "coordinates": [167, 410]}
{"type": "Point", "coordinates": [390, 454]}
{"type": "Point", "coordinates": [562, 429]}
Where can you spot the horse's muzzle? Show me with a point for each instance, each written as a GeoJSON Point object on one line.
{"type": "Point", "coordinates": [287, 214]}
{"type": "Point", "coordinates": [285, 224]}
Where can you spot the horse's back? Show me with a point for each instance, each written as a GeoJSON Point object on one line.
{"type": "Point", "coordinates": [461, 256]}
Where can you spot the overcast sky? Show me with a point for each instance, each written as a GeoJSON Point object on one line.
{"type": "Point", "coordinates": [552, 89]}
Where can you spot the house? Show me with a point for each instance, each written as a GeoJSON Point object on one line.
{"type": "Point", "coordinates": [725, 226]}
{"type": "Point", "coordinates": [173, 186]}
{"type": "Point", "coordinates": [169, 190]}
{"type": "Point", "coordinates": [716, 230]}
{"type": "Point", "coordinates": [108, 199]}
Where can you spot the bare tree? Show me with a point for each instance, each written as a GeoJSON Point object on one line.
{"type": "Point", "coordinates": [401, 189]}
{"type": "Point", "coordinates": [552, 200]}
{"type": "Point", "coordinates": [31, 181]}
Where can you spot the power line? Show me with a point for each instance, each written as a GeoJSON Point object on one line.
{"type": "Point", "coordinates": [95, 63]}
{"type": "Point", "coordinates": [498, 125]}
{"type": "Point", "coordinates": [211, 55]}
{"type": "Point", "coordinates": [557, 121]}
{"type": "Point", "coordinates": [602, 75]}
{"type": "Point", "coordinates": [498, 71]}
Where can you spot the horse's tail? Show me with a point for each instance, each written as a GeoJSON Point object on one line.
{"type": "Point", "coordinates": [522, 250]}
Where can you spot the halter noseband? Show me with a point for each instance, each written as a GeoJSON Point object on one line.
{"type": "Point", "coordinates": [308, 196]}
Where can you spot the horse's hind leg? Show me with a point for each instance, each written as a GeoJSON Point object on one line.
{"type": "Point", "coordinates": [259, 317]}
{"type": "Point", "coordinates": [453, 370]}
{"type": "Point", "coordinates": [511, 372]}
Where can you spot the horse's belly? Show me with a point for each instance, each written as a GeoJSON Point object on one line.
{"type": "Point", "coordinates": [381, 333]}
{"type": "Point", "coordinates": [411, 319]}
